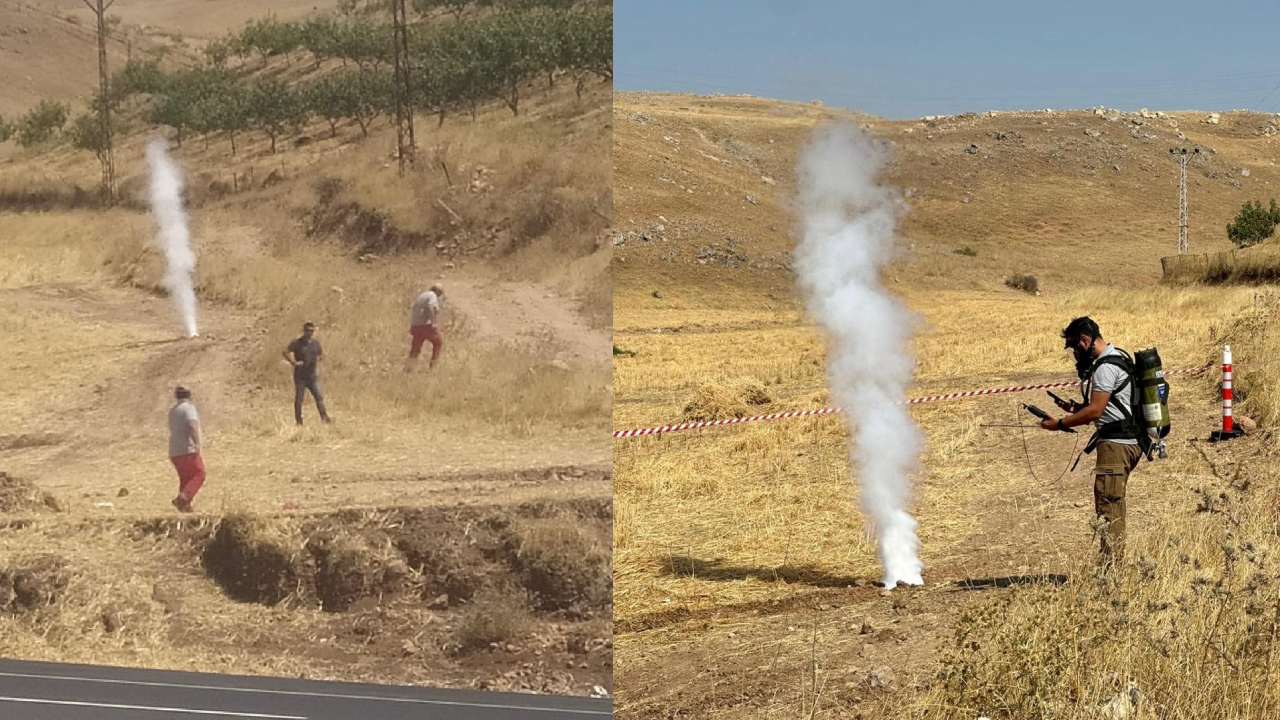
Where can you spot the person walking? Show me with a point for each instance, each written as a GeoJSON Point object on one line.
{"type": "Point", "coordinates": [424, 325]}
{"type": "Point", "coordinates": [305, 354]}
{"type": "Point", "coordinates": [185, 444]}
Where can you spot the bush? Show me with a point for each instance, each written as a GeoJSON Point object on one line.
{"type": "Point", "coordinates": [1254, 224]}
{"type": "Point", "coordinates": [1025, 283]}
{"type": "Point", "coordinates": [42, 122]}
{"type": "Point", "coordinates": [493, 619]}
{"type": "Point", "coordinates": [6, 129]}
{"type": "Point", "coordinates": [966, 251]}
{"type": "Point", "coordinates": [138, 76]}
{"type": "Point", "coordinates": [86, 133]}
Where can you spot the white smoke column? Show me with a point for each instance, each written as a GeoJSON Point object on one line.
{"type": "Point", "coordinates": [166, 203]}
{"type": "Point", "coordinates": [848, 226]}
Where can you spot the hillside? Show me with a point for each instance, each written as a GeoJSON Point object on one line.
{"type": "Point", "coordinates": [1051, 194]}
{"type": "Point", "coordinates": [43, 55]}
{"type": "Point", "coordinates": [746, 574]}
{"type": "Point", "coordinates": [436, 500]}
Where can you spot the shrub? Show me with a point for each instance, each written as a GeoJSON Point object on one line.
{"type": "Point", "coordinates": [492, 619]}
{"type": "Point", "coordinates": [1025, 283]}
{"type": "Point", "coordinates": [1254, 224]}
{"type": "Point", "coordinates": [42, 122]}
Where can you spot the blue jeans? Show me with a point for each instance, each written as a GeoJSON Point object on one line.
{"type": "Point", "coordinates": [301, 384]}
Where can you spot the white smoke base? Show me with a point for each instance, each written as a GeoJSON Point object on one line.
{"type": "Point", "coordinates": [848, 233]}
{"type": "Point", "coordinates": [166, 203]}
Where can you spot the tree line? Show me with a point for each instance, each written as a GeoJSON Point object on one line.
{"type": "Point", "coordinates": [482, 56]}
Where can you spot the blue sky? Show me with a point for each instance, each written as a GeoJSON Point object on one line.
{"type": "Point", "coordinates": [907, 59]}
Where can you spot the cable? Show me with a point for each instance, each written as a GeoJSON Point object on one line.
{"type": "Point", "coordinates": [1026, 451]}
{"type": "Point", "coordinates": [1277, 87]}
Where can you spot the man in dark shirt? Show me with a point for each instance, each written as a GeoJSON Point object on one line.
{"type": "Point", "coordinates": [304, 353]}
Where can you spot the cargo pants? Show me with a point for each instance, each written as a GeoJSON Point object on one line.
{"type": "Point", "coordinates": [1110, 483]}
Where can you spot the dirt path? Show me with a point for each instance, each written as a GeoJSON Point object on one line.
{"type": "Point", "coordinates": [93, 367]}
{"type": "Point", "coordinates": [528, 314]}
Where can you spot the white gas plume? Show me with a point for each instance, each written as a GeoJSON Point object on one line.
{"type": "Point", "coordinates": [848, 221]}
{"type": "Point", "coordinates": [174, 238]}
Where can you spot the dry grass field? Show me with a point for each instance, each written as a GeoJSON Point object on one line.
{"type": "Point", "coordinates": [745, 581]}
{"type": "Point", "coordinates": [449, 528]}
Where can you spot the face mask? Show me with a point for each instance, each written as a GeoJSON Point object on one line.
{"type": "Point", "coordinates": [1084, 361]}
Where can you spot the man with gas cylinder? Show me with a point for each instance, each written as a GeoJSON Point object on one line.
{"type": "Point", "coordinates": [1127, 400]}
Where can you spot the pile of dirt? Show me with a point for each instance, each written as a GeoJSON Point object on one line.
{"type": "Point", "coordinates": [347, 570]}
{"type": "Point", "coordinates": [252, 559]}
{"type": "Point", "coordinates": [32, 584]}
{"type": "Point", "coordinates": [447, 566]}
{"type": "Point", "coordinates": [554, 557]}
{"type": "Point", "coordinates": [19, 495]}
{"type": "Point", "coordinates": [370, 231]}
{"type": "Point", "coordinates": [714, 402]}
{"type": "Point", "coordinates": [562, 567]}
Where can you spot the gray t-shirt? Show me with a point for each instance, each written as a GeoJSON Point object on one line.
{"type": "Point", "coordinates": [1106, 378]}
{"type": "Point", "coordinates": [181, 440]}
{"type": "Point", "coordinates": [425, 309]}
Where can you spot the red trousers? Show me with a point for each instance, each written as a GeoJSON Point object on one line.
{"type": "Point", "coordinates": [421, 334]}
{"type": "Point", "coordinates": [190, 474]}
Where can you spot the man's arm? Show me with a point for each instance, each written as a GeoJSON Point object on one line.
{"type": "Point", "coordinates": [196, 435]}
{"type": "Point", "coordinates": [1085, 415]}
{"type": "Point", "coordinates": [288, 355]}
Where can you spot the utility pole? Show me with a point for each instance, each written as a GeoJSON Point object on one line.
{"type": "Point", "coordinates": [404, 110]}
{"type": "Point", "coordinates": [1181, 154]}
{"type": "Point", "coordinates": [99, 8]}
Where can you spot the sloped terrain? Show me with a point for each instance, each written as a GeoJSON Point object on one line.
{"type": "Point", "coordinates": [745, 575]}
{"type": "Point", "coordinates": [370, 567]}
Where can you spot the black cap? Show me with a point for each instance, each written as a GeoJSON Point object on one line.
{"type": "Point", "coordinates": [181, 392]}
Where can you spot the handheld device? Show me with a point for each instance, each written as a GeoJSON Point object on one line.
{"type": "Point", "coordinates": [1042, 415]}
{"type": "Point", "coordinates": [1064, 404]}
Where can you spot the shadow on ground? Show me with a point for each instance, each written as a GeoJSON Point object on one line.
{"type": "Point", "coordinates": [690, 567]}
{"type": "Point", "coordinates": [990, 583]}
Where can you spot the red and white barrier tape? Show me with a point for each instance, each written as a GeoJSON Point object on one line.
{"type": "Point", "coordinates": [828, 411]}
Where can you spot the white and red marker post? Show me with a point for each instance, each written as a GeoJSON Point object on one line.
{"type": "Point", "coordinates": [1228, 430]}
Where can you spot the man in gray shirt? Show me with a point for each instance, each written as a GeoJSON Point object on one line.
{"type": "Point", "coordinates": [304, 354]}
{"type": "Point", "coordinates": [423, 325]}
{"type": "Point", "coordinates": [1108, 387]}
{"type": "Point", "coordinates": [185, 443]}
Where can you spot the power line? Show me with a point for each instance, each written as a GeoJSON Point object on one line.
{"type": "Point", "coordinates": [1277, 87]}
{"type": "Point", "coordinates": [1221, 95]}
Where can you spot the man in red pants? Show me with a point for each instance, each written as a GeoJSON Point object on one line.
{"type": "Point", "coordinates": [185, 441]}
{"type": "Point", "coordinates": [423, 325]}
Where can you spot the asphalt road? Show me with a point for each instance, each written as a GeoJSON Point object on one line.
{"type": "Point", "coordinates": [48, 691]}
